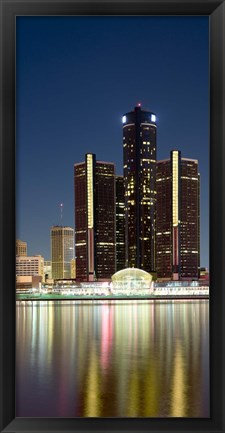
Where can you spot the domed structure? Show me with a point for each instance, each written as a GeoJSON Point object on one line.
{"type": "Point", "coordinates": [131, 281]}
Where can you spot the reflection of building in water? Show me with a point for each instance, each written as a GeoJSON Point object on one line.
{"type": "Point", "coordinates": [122, 359]}
{"type": "Point", "coordinates": [131, 281]}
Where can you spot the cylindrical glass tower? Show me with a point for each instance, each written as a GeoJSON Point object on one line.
{"type": "Point", "coordinates": [139, 165]}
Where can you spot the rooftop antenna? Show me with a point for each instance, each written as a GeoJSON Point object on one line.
{"type": "Point", "coordinates": [61, 209]}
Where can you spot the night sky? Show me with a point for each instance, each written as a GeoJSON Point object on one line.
{"type": "Point", "coordinates": [76, 77]}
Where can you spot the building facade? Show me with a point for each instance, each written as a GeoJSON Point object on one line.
{"type": "Point", "coordinates": [95, 220]}
{"type": "Point", "coordinates": [178, 218]}
{"type": "Point", "coordinates": [120, 224]}
{"type": "Point", "coordinates": [139, 164]}
{"type": "Point", "coordinates": [30, 266]}
{"type": "Point", "coordinates": [62, 251]}
{"type": "Point", "coordinates": [48, 269]}
{"type": "Point", "coordinates": [73, 268]}
{"type": "Point", "coordinates": [21, 248]}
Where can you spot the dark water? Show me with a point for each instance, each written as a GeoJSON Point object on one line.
{"type": "Point", "coordinates": [112, 359]}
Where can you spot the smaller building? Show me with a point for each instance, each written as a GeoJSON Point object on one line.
{"type": "Point", "coordinates": [62, 251]}
{"type": "Point", "coordinates": [27, 283]}
{"type": "Point", "coordinates": [203, 274]}
{"type": "Point", "coordinates": [30, 266]}
{"type": "Point", "coordinates": [131, 281]}
{"type": "Point", "coordinates": [21, 248]}
{"type": "Point", "coordinates": [47, 270]}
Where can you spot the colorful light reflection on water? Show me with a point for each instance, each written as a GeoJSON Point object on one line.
{"type": "Point", "coordinates": [112, 359]}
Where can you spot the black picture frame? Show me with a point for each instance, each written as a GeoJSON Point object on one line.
{"type": "Point", "coordinates": [216, 12]}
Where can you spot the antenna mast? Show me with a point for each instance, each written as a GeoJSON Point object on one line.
{"type": "Point", "coordinates": [61, 208]}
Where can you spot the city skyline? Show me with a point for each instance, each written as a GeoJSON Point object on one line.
{"type": "Point", "coordinates": [42, 187]}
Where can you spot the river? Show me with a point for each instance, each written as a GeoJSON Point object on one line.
{"type": "Point", "coordinates": [112, 358]}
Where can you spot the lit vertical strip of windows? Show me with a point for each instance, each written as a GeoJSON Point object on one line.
{"type": "Point", "coordinates": [90, 212]}
{"type": "Point", "coordinates": [175, 163]}
{"type": "Point", "coordinates": [175, 212]}
{"type": "Point", "coordinates": [90, 190]}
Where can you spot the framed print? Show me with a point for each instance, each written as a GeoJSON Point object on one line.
{"type": "Point", "coordinates": [112, 115]}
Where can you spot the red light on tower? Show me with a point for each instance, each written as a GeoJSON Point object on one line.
{"type": "Point", "coordinates": [139, 104]}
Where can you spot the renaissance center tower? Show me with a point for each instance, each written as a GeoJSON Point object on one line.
{"type": "Point", "coordinates": [139, 165]}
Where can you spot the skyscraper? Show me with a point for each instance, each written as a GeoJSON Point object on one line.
{"type": "Point", "coordinates": [178, 217]}
{"type": "Point", "coordinates": [62, 251]}
{"type": "Point", "coordinates": [120, 224]}
{"type": "Point", "coordinates": [139, 159]}
{"type": "Point", "coordinates": [94, 186]}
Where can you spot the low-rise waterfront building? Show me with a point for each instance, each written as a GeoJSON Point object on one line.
{"type": "Point", "coordinates": [131, 281]}
{"type": "Point", "coordinates": [26, 283]}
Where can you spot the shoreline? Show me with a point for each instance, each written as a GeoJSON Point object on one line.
{"type": "Point", "coordinates": [111, 298]}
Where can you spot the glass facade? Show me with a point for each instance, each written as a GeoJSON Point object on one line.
{"type": "Point", "coordinates": [120, 224]}
{"type": "Point", "coordinates": [105, 220]}
{"type": "Point", "coordinates": [95, 220]}
{"type": "Point", "coordinates": [164, 239]}
{"type": "Point", "coordinates": [80, 189]}
{"type": "Point", "coordinates": [131, 281]}
{"type": "Point", "coordinates": [62, 251]}
{"type": "Point", "coordinates": [178, 217]}
{"type": "Point", "coordinates": [139, 156]}
{"type": "Point", "coordinates": [190, 219]}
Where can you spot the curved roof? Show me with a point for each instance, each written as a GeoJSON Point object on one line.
{"type": "Point", "coordinates": [131, 273]}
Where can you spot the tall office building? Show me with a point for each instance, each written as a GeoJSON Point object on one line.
{"type": "Point", "coordinates": [62, 251]}
{"type": "Point", "coordinates": [21, 248]}
{"type": "Point", "coordinates": [94, 186]}
{"type": "Point", "coordinates": [139, 156]}
{"type": "Point", "coordinates": [120, 224]}
{"type": "Point", "coordinates": [178, 218]}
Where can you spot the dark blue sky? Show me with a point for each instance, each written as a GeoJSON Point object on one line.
{"type": "Point", "coordinates": [76, 77]}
